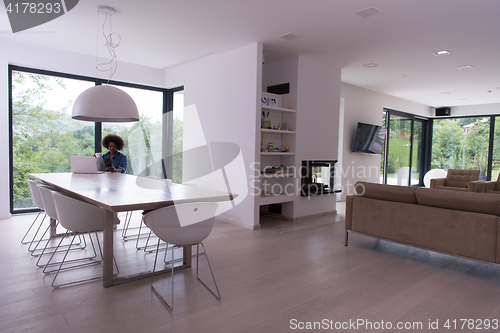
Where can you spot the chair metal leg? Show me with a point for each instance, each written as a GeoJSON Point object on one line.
{"type": "Point", "coordinates": [36, 233]}
{"type": "Point", "coordinates": [87, 264]}
{"type": "Point", "coordinates": [56, 248]}
{"type": "Point", "coordinates": [29, 229]}
{"type": "Point", "coordinates": [346, 237]}
{"type": "Point", "coordinates": [217, 295]}
{"type": "Point", "coordinates": [153, 275]}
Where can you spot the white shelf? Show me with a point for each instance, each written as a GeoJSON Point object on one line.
{"type": "Point", "coordinates": [272, 199]}
{"type": "Point", "coordinates": [266, 153]}
{"type": "Point", "coordinates": [265, 130]}
{"type": "Point", "coordinates": [273, 175]}
{"type": "Point", "coordinates": [276, 109]}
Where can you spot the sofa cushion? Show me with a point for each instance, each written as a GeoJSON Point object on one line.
{"type": "Point", "coordinates": [386, 192]}
{"type": "Point", "coordinates": [451, 188]}
{"type": "Point", "coordinates": [465, 201]}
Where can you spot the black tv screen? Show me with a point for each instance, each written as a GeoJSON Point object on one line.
{"type": "Point", "coordinates": [369, 139]}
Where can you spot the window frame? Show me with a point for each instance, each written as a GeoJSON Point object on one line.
{"type": "Point", "coordinates": [98, 125]}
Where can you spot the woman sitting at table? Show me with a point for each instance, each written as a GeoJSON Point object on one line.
{"type": "Point", "coordinates": [115, 161]}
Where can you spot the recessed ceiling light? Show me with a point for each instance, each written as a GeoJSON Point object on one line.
{"type": "Point", "coordinates": [370, 65]}
{"type": "Point", "coordinates": [400, 76]}
{"type": "Point", "coordinates": [442, 52]}
{"type": "Point", "coordinates": [463, 99]}
{"type": "Point", "coordinates": [466, 67]}
{"type": "Point", "coordinates": [367, 12]}
{"type": "Point", "coordinates": [446, 93]}
{"type": "Point", "coordinates": [289, 36]}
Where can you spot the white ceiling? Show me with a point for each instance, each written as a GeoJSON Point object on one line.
{"type": "Point", "coordinates": [400, 39]}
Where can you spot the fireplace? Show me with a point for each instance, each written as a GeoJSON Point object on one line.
{"type": "Point", "coordinates": [317, 177]}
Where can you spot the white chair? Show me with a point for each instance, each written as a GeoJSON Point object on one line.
{"type": "Point", "coordinates": [50, 210]}
{"type": "Point", "coordinates": [182, 225]}
{"type": "Point", "coordinates": [146, 247]}
{"type": "Point", "coordinates": [37, 200]}
{"type": "Point", "coordinates": [78, 217]}
{"type": "Point", "coordinates": [140, 234]}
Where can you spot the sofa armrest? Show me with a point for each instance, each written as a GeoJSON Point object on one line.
{"type": "Point", "coordinates": [475, 185]}
{"type": "Point", "coordinates": [484, 187]}
{"type": "Point", "coordinates": [437, 182]}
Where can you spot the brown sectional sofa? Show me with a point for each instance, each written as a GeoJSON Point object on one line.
{"type": "Point", "coordinates": [465, 224]}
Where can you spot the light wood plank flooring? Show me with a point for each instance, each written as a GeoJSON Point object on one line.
{"type": "Point", "coordinates": [266, 279]}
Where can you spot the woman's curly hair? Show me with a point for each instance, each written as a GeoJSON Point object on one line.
{"type": "Point", "coordinates": [116, 139]}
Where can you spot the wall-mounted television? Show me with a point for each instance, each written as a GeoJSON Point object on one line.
{"type": "Point", "coordinates": [369, 139]}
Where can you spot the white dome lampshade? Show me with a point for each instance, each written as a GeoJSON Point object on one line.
{"type": "Point", "coordinates": [105, 103]}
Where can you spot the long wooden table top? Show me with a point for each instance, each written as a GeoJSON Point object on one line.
{"type": "Point", "coordinates": [121, 192]}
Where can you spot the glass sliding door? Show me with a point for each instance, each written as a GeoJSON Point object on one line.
{"type": "Point", "coordinates": [495, 163]}
{"type": "Point", "coordinates": [403, 161]}
{"type": "Point", "coordinates": [461, 143]}
{"type": "Point", "coordinates": [399, 150]}
{"type": "Point", "coordinates": [416, 157]}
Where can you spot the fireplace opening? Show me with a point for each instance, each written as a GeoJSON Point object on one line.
{"type": "Point", "coordinates": [317, 177]}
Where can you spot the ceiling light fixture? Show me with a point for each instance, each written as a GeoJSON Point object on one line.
{"type": "Point", "coordinates": [370, 65]}
{"type": "Point", "coordinates": [289, 36]}
{"type": "Point", "coordinates": [466, 67]}
{"type": "Point", "coordinates": [367, 12]}
{"type": "Point", "coordinates": [440, 53]}
{"type": "Point", "coordinates": [400, 76]}
{"type": "Point", "coordinates": [446, 93]}
{"type": "Point", "coordinates": [105, 103]}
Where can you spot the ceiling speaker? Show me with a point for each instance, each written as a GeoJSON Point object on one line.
{"type": "Point", "coordinates": [443, 112]}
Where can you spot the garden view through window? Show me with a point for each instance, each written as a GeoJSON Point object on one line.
{"type": "Point", "coordinates": [44, 135]}
{"type": "Point", "coordinates": [457, 143]}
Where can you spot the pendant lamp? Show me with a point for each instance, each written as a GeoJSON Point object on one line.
{"type": "Point", "coordinates": [105, 103]}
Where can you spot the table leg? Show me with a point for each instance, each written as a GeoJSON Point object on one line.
{"type": "Point", "coordinates": [187, 256]}
{"type": "Point", "coordinates": [107, 260]}
{"type": "Point", "coordinates": [53, 226]}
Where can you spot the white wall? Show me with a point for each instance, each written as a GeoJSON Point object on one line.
{"type": "Point", "coordinates": [318, 97]}
{"type": "Point", "coordinates": [470, 110]}
{"type": "Point", "coordinates": [363, 105]}
{"type": "Point", "coordinates": [225, 89]}
{"type": "Point", "coordinates": [55, 60]}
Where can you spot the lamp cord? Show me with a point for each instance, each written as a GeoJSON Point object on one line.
{"type": "Point", "coordinates": [111, 65]}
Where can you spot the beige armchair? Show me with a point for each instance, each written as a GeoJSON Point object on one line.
{"type": "Point", "coordinates": [458, 180]}
{"type": "Point", "coordinates": [490, 187]}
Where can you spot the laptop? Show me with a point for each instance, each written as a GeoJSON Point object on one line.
{"type": "Point", "coordinates": [86, 164]}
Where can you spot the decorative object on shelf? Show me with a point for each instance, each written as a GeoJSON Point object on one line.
{"type": "Point", "coordinates": [283, 126]}
{"type": "Point", "coordinates": [104, 103]}
{"type": "Point", "coordinates": [263, 100]}
{"type": "Point", "coordinates": [265, 121]}
{"type": "Point", "coordinates": [272, 101]}
{"type": "Point", "coordinates": [270, 147]}
{"type": "Point", "coordinates": [287, 148]}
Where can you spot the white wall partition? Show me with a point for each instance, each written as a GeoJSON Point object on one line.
{"type": "Point", "coordinates": [223, 88]}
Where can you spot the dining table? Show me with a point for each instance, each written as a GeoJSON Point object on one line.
{"type": "Point", "coordinates": [118, 192]}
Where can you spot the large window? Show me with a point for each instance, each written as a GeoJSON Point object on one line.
{"type": "Point", "coordinates": [43, 134]}
{"type": "Point", "coordinates": [416, 145]}
{"type": "Point", "coordinates": [461, 143]}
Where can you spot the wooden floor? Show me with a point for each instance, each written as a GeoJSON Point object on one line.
{"type": "Point", "coordinates": [268, 281]}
